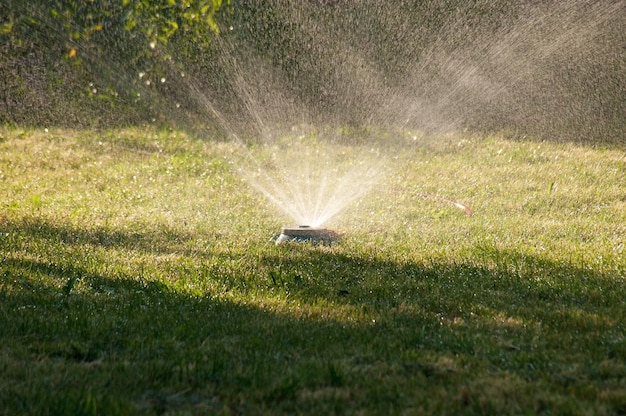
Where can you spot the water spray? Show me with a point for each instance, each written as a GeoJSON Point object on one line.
{"type": "Point", "coordinates": [464, 207]}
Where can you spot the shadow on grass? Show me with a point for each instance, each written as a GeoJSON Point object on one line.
{"type": "Point", "coordinates": [358, 333]}
{"type": "Point", "coordinates": [152, 241]}
{"type": "Point", "coordinates": [504, 283]}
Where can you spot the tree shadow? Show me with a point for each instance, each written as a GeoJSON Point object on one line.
{"type": "Point", "coordinates": [504, 282]}
{"type": "Point", "coordinates": [164, 240]}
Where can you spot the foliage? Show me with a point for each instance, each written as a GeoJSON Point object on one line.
{"type": "Point", "coordinates": [72, 49]}
{"type": "Point", "coordinates": [115, 21]}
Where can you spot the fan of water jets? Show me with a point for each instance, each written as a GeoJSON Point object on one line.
{"type": "Point", "coordinates": [309, 179]}
{"type": "Point", "coordinates": [309, 169]}
{"type": "Point", "coordinates": [307, 164]}
{"type": "Point", "coordinates": [310, 78]}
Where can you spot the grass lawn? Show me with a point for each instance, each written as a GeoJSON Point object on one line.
{"type": "Point", "coordinates": [138, 276]}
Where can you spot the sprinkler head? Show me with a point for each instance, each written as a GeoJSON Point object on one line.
{"type": "Point", "coordinates": [306, 233]}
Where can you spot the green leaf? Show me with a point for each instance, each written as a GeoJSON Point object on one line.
{"type": "Point", "coordinates": [212, 24]}
{"type": "Point", "coordinates": [130, 24]}
{"type": "Point", "coordinates": [6, 28]}
{"type": "Point", "coordinates": [35, 200]}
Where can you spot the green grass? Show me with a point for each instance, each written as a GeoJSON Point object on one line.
{"type": "Point", "coordinates": [137, 275]}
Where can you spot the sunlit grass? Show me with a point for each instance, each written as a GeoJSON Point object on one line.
{"type": "Point", "coordinates": [138, 275]}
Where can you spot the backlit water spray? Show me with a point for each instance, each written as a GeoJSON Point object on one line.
{"type": "Point", "coordinates": [325, 91]}
{"type": "Point", "coordinates": [317, 97]}
{"type": "Point", "coordinates": [320, 94]}
{"type": "Point", "coordinates": [310, 172]}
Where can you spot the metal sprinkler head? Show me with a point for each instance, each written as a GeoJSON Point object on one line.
{"type": "Point", "coordinates": [306, 233]}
